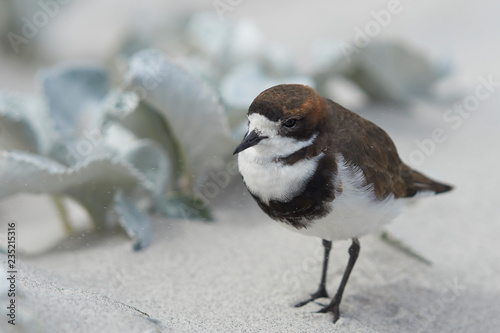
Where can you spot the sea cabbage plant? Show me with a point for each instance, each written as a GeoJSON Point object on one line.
{"type": "Point", "coordinates": [144, 144]}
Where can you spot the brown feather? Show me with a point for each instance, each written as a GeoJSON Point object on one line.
{"type": "Point", "coordinates": [367, 146]}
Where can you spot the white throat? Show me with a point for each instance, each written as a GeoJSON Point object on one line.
{"type": "Point", "coordinates": [267, 177]}
{"type": "Point", "coordinates": [272, 180]}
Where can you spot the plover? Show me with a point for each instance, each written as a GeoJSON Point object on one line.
{"type": "Point", "coordinates": [322, 170]}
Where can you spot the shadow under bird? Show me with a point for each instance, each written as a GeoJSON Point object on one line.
{"type": "Point", "coordinates": [322, 170]}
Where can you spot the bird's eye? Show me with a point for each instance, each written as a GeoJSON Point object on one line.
{"type": "Point", "coordinates": [290, 122]}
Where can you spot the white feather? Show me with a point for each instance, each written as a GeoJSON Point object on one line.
{"type": "Point", "coordinates": [271, 180]}
{"type": "Point", "coordinates": [356, 210]}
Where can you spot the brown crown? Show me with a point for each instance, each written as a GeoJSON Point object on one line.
{"type": "Point", "coordinates": [288, 100]}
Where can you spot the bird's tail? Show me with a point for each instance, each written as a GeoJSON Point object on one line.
{"type": "Point", "coordinates": [421, 183]}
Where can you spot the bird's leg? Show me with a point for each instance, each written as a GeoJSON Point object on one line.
{"type": "Point", "coordinates": [335, 303]}
{"type": "Point", "coordinates": [322, 285]}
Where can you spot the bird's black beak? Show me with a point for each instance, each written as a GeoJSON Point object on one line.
{"type": "Point", "coordinates": [250, 140]}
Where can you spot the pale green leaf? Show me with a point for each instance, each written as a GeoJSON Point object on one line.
{"type": "Point", "coordinates": [135, 222]}
{"type": "Point", "coordinates": [24, 123]}
{"type": "Point", "coordinates": [144, 122]}
{"type": "Point", "coordinates": [185, 207]}
{"type": "Point", "coordinates": [75, 94]}
{"type": "Point", "coordinates": [388, 71]}
{"type": "Point", "coordinates": [92, 183]}
{"type": "Point", "coordinates": [189, 107]}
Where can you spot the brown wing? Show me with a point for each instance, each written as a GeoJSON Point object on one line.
{"type": "Point", "coordinates": [364, 144]}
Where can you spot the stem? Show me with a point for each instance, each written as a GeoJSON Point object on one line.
{"type": "Point", "coordinates": [399, 245]}
{"type": "Point", "coordinates": [63, 213]}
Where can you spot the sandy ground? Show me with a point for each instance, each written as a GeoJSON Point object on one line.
{"type": "Point", "coordinates": [243, 273]}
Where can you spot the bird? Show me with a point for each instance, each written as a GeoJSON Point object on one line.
{"type": "Point", "coordinates": [322, 170]}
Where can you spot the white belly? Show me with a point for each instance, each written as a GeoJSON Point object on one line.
{"type": "Point", "coordinates": [351, 218]}
{"type": "Point", "coordinates": [356, 211]}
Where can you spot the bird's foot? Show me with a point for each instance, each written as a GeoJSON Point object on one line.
{"type": "Point", "coordinates": [318, 294]}
{"type": "Point", "coordinates": [333, 307]}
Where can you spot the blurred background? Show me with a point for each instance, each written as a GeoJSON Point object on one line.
{"type": "Point", "coordinates": [163, 88]}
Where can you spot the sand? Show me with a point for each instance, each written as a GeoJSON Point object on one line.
{"type": "Point", "coordinates": [243, 272]}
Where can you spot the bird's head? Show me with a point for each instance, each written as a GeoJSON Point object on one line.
{"type": "Point", "coordinates": [282, 120]}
